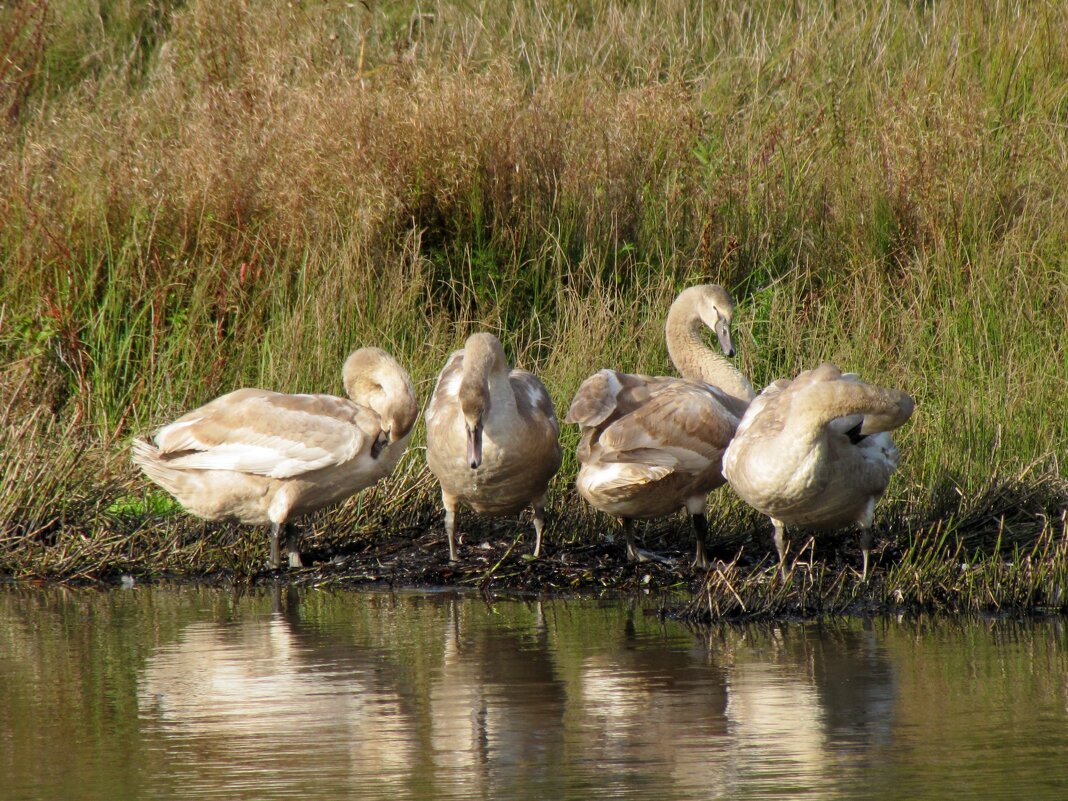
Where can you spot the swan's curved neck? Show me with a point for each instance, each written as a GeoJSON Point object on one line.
{"type": "Point", "coordinates": [883, 409]}
{"type": "Point", "coordinates": [388, 394]}
{"type": "Point", "coordinates": [485, 380]}
{"type": "Point", "coordinates": [695, 361]}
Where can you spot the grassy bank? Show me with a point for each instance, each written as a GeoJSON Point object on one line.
{"type": "Point", "coordinates": [198, 196]}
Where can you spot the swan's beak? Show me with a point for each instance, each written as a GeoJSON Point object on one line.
{"type": "Point", "coordinates": [380, 444]}
{"type": "Point", "coordinates": [723, 333]}
{"type": "Point", "coordinates": [474, 447]}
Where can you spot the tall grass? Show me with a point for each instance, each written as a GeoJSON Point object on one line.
{"type": "Point", "coordinates": [196, 196]}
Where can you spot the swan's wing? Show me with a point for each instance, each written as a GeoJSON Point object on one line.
{"type": "Point", "coordinates": [735, 406]}
{"type": "Point", "coordinates": [818, 375]}
{"type": "Point", "coordinates": [446, 390]}
{"type": "Point", "coordinates": [269, 434]}
{"type": "Point", "coordinates": [775, 388]}
{"type": "Point", "coordinates": [683, 423]}
{"type": "Point", "coordinates": [532, 398]}
{"type": "Point", "coordinates": [765, 407]}
{"type": "Point", "coordinates": [609, 476]}
{"type": "Point", "coordinates": [608, 395]}
{"type": "Point", "coordinates": [596, 399]}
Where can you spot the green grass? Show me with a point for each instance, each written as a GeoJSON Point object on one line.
{"type": "Point", "coordinates": [199, 196]}
{"type": "Point", "coordinates": [932, 570]}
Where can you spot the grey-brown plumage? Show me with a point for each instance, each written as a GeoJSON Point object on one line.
{"type": "Point", "coordinates": [261, 457]}
{"type": "Point", "coordinates": [651, 445]}
{"type": "Point", "coordinates": [816, 452]}
{"type": "Point", "coordinates": [492, 438]}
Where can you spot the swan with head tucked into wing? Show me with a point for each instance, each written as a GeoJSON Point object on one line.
{"type": "Point", "coordinates": [651, 445]}
{"type": "Point", "coordinates": [816, 452]}
{"type": "Point", "coordinates": [492, 438]}
{"type": "Point", "coordinates": [261, 457]}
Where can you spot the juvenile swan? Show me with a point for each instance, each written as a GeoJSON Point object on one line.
{"type": "Point", "coordinates": [651, 445]}
{"type": "Point", "coordinates": [815, 452]}
{"type": "Point", "coordinates": [492, 438]}
{"type": "Point", "coordinates": [265, 457]}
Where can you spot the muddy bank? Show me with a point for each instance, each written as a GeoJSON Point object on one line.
{"type": "Point", "coordinates": [926, 570]}
{"type": "Point", "coordinates": [501, 563]}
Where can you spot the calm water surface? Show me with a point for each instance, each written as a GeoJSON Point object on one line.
{"type": "Point", "coordinates": [196, 693]}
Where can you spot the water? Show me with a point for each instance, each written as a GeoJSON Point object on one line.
{"type": "Point", "coordinates": [193, 693]}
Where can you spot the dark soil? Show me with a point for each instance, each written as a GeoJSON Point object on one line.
{"type": "Point", "coordinates": [501, 560]}
{"type": "Point", "coordinates": [744, 582]}
{"type": "Point", "coordinates": [496, 563]}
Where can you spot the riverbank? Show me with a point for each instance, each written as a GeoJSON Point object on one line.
{"type": "Point", "coordinates": [931, 572]}
{"type": "Point", "coordinates": [999, 555]}
{"type": "Point", "coordinates": [932, 576]}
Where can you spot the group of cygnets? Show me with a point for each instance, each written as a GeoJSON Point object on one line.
{"type": "Point", "coordinates": [813, 452]}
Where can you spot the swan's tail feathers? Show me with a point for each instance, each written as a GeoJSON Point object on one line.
{"type": "Point", "coordinates": [144, 451]}
{"type": "Point", "coordinates": [147, 456]}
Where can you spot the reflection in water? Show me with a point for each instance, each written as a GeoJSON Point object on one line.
{"type": "Point", "coordinates": [202, 694]}
{"type": "Point", "coordinates": [857, 691]}
{"type": "Point", "coordinates": [806, 705]}
{"type": "Point", "coordinates": [776, 728]}
{"type": "Point", "coordinates": [496, 707]}
{"type": "Point", "coordinates": [258, 695]}
{"type": "Point", "coordinates": [638, 706]}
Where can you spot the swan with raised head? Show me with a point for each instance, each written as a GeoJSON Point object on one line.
{"type": "Point", "coordinates": [816, 452]}
{"type": "Point", "coordinates": [651, 445]}
{"type": "Point", "coordinates": [260, 457]}
{"type": "Point", "coordinates": [492, 438]}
